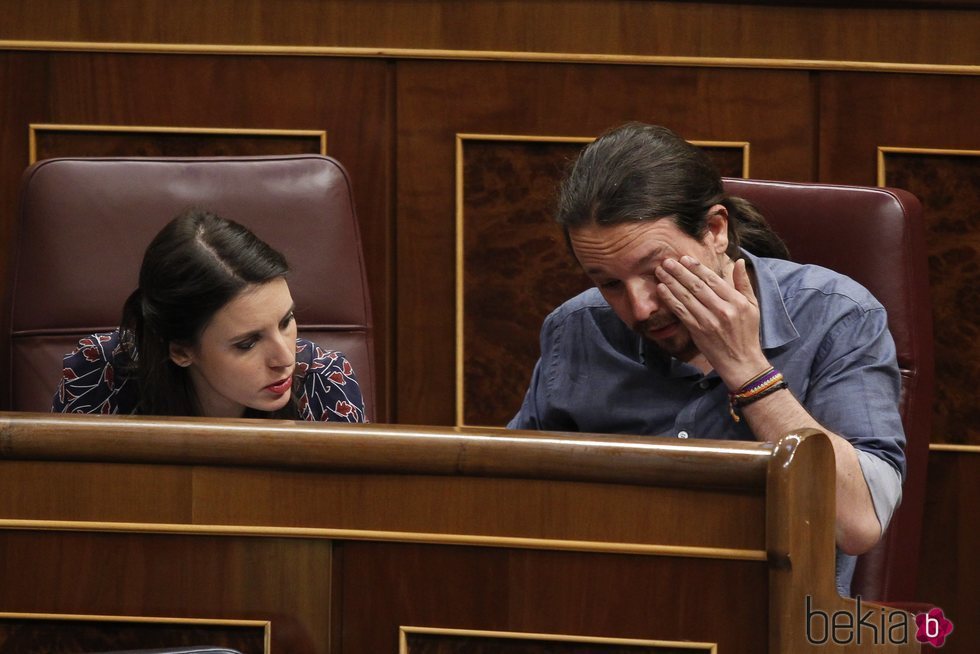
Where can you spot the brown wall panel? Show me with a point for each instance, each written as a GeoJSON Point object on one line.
{"type": "Point", "coordinates": [85, 141]}
{"type": "Point", "coordinates": [949, 574]}
{"type": "Point", "coordinates": [175, 576]}
{"type": "Point", "coordinates": [469, 641]}
{"type": "Point", "coordinates": [23, 92]}
{"type": "Point", "coordinates": [546, 592]}
{"type": "Point", "coordinates": [438, 100]}
{"type": "Point", "coordinates": [860, 112]}
{"type": "Point", "coordinates": [53, 635]}
{"type": "Point", "coordinates": [876, 34]}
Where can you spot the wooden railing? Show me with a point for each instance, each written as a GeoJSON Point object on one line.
{"type": "Point", "coordinates": [322, 538]}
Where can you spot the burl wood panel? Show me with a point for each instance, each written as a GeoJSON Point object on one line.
{"type": "Point", "coordinates": [605, 595]}
{"type": "Point", "coordinates": [282, 580]}
{"type": "Point", "coordinates": [52, 636]}
{"type": "Point", "coordinates": [949, 188]}
{"type": "Point", "coordinates": [438, 100]}
{"type": "Point", "coordinates": [949, 572]}
{"type": "Point", "coordinates": [425, 643]}
{"type": "Point", "coordinates": [69, 142]}
{"type": "Point", "coordinates": [516, 266]}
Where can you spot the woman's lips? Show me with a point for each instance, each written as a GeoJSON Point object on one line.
{"type": "Point", "coordinates": [280, 387]}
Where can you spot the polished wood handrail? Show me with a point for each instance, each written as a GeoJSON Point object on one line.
{"type": "Point", "coordinates": [384, 448]}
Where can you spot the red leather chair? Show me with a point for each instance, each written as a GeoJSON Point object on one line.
{"type": "Point", "coordinates": [83, 225]}
{"type": "Point", "coordinates": [877, 237]}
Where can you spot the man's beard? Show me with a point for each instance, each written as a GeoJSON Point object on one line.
{"type": "Point", "coordinates": [679, 345]}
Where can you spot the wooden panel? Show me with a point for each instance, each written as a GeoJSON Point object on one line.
{"type": "Point", "coordinates": [437, 101]}
{"type": "Point", "coordinates": [949, 187]}
{"type": "Point", "coordinates": [23, 100]}
{"type": "Point", "coordinates": [797, 31]}
{"type": "Point", "coordinates": [258, 569]}
{"type": "Point", "coordinates": [861, 112]}
{"type": "Point", "coordinates": [283, 581]}
{"type": "Point", "coordinates": [514, 255]}
{"type": "Point", "coordinates": [90, 141]}
{"type": "Point", "coordinates": [49, 634]}
{"type": "Point", "coordinates": [79, 492]}
{"type": "Point", "coordinates": [949, 573]}
{"type": "Point", "coordinates": [561, 486]}
{"type": "Point", "coordinates": [550, 592]}
{"type": "Point", "coordinates": [420, 640]}
{"type": "Point", "coordinates": [349, 99]}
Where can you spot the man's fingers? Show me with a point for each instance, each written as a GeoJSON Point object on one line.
{"type": "Point", "coordinates": [741, 281]}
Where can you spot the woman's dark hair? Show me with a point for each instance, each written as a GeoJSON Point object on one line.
{"type": "Point", "coordinates": [196, 264]}
{"type": "Point", "coordinates": [647, 172]}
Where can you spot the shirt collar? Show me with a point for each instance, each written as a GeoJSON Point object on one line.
{"type": "Point", "coordinates": [776, 327]}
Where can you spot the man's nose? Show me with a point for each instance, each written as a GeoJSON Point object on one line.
{"type": "Point", "coordinates": [643, 300]}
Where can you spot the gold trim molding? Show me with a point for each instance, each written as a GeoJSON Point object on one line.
{"type": "Point", "coordinates": [461, 137]}
{"type": "Point", "coordinates": [951, 447]}
{"type": "Point", "coordinates": [491, 55]}
{"type": "Point", "coordinates": [35, 128]}
{"type": "Point", "coordinates": [139, 619]}
{"type": "Point", "coordinates": [883, 151]}
{"type": "Point", "coordinates": [516, 542]}
{"type": "Point", "coordinates": [708, 648]}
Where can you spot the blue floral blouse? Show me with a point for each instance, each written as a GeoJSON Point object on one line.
{"type": "Point", "coordinates": [94, 381]}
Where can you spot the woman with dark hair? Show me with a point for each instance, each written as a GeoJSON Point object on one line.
{"type": "Point", "coordinates": [209, 331]}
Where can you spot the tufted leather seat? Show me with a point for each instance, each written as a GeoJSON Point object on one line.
{"type": "Point", "coordinates": [83, 225]}
{"type": "Point", "coordinates": [877, 237]}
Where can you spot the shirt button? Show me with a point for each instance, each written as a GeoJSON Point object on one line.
{"type": "Point", "coordinates": [682, 434]}
{"type": "Point", "coordinates": [703, 384]}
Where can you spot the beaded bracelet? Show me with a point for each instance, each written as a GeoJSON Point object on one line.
{"type": "Point", "coordinates": [766, 383]}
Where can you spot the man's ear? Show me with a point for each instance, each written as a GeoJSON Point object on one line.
{"type": "Point", "coordinates": [181, 355]}
{"type": "Point", "coordinates": [717, 234]}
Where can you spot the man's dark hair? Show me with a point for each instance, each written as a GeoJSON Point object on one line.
{"type": "Point", "coordinates": [196, 265]}
{"type": "Point", "coordinates": [646, 172]}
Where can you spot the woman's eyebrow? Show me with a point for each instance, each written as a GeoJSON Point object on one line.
{"type": "Point", "coordinates": [257, 332]}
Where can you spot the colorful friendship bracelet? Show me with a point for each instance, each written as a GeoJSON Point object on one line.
{"type": "Point", "coordinates": [766, 383]}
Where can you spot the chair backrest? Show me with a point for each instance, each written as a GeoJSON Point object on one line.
{"type": "Point", "coordinates": [83, 225]}
{"type": "Point", "coordinates": [876, 236]}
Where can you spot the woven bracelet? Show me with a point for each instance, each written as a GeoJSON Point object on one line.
{"type": "Point", "coordinates": [736, 401]}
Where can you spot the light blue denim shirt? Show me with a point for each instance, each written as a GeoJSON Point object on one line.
{"type": "Point", "coordinates": [825, 332]}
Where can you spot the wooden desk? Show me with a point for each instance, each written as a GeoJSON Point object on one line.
{"type": "Point", "coordinates": [314, 538]}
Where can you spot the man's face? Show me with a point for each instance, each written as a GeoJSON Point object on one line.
{"type": "Point", "coordinates": [622, 261]}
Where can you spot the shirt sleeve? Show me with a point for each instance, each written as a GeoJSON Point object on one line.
{"type": "Point", "coordinates": [89, 376]}
{"type": "Point", "coordinates": [330, 391]}
{"type": "Point", "coordinates": [855, 385]}
{"type": "Point", "coordinates": [527, 416]}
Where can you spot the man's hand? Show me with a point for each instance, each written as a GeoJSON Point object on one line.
{"type": "Point", "coordinates": [721, 314]}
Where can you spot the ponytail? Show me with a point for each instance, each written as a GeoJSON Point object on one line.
{"type": "Point", "coordinates": [748, 229]}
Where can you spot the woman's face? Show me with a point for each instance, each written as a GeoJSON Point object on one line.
{"type": "Point", "coordinates": [246, 355]}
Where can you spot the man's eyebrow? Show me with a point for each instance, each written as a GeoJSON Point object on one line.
{"type": "Point", "coordinates": [652, 255]}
